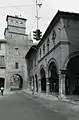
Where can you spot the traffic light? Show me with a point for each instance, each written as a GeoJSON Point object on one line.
{"type": "Point", "coordinates": [37, 34]}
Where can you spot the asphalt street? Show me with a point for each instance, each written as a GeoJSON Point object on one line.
{"type": "Point", "coordinates": [21, 106]}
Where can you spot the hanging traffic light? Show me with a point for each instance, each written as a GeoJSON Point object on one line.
{"type": "Point", "coordinates": [34, 35]}
{"type": "Point", "coordinates": [37, 34]}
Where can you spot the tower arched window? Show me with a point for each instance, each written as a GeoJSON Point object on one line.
{"type": "Point", "coordinates": [48, 44]}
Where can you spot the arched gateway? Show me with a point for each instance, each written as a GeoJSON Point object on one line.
{"type": "Point", "coordinates": [2, 82]}
{"type": "Point", "coordinates": [16, 81]}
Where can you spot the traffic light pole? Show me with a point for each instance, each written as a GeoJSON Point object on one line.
{"type": "Point", "coordinates": [37, 13]}
{"type": "Point", "coordinates": [37, 34]}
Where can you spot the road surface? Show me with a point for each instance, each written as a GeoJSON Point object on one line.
{"type": "Point", "coordinates": [22, 106]}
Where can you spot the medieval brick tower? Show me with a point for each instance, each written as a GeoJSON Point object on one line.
{"type": "Point", "coordinates": [18, 44]}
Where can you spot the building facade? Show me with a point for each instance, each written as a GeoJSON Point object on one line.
{"type": "Point", "coordinates": [57, 56]}
{"type": "Point", "coordinates": [14, 48]}
{"type": "Point", "coordinates": [2, 62]}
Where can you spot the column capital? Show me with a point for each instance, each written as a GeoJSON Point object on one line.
{"type": "Point", "coordinates": [62, 71]}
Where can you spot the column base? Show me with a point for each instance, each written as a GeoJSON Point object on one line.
{"type": "Point", "coordinates": [62, 96]}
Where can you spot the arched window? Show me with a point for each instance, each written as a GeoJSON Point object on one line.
{"type": "Point", "coordinates": [16, 65]}
{"type": "Point", "coordinates": [40, 52]}
{"type": "Point", "coordinates": [53, 36]}
{"type": "Point", "coordinates": [43, 49]}
{"type": "Point", "coordinates": [48, 43]}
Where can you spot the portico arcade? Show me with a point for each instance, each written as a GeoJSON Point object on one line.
{"type": "Point", "coordinates": [72, 74]}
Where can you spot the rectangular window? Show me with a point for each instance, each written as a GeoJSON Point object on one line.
{"type": "Point", "coordinates": [1, 60]}
{"type": "Point", "coordinates": [17, 50]}
{"type": "Point", "coordinates": [0, 46]}
{"type": "Point", "coordinates": [16, 65]}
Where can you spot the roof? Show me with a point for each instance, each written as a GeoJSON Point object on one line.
{"type": "Point", "coordinates": [33, 48]}
{"type": "Point", "coordinates": [15, 17]}
{"type": "Point", "coordinates": [59, 14]}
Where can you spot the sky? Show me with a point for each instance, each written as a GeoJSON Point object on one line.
{"type": "Point", "coordinates": [26, 8]}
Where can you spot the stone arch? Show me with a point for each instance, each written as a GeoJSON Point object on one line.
{"type": "Point", "coordinates": [53, 60]}
{"type": "Point", "coordinates": [71, 65]}
{"type": "Point", "coordinates": [53, 76]}
{"type": "Point", "coordinates": [42, 66]}
{"type": "Point", "coordinates": [69, 57]}
{"type": "Point", "coordinates": [16, 80]}
{"type": "Point", "coordinates": [43, 78]}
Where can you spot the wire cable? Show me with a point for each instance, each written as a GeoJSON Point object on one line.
{"type": "Point", "coordinates": [16, 6]}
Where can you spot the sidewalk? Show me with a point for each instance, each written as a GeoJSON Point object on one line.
{"type": "Point", "coordinates": [65, 107]}
{"type": "Point", "coordinates": [52, 97]}
{"type": "Point", "coordinates": [42, 95]}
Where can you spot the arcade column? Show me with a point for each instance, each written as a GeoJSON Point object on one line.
{"type": "Point", "coordinates": [39, 85]}
{"type": "Point", "coordinates": [47, 85]}
{"type": "Point", "coordinates": [62, 75]}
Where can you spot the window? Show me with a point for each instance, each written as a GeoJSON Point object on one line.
{"type": "Point", "coordinates": [1, 60]}
{"type": "Point", "coordinates": [21, 22]}
{"type": "Point", "coordinates": [16, 21]}
{"type": "Point", "coordinates": [17, 51]}
{"type": "Point", "coordinates": [40, 52]}
{"type": "Point", "coordinates": [31, 64]}
{"type": "Point", "coordinates": [16, 65]}
{"type": "Point", "coordinates": [54, 36]}
{"type": "Point", "coordinates": [11, 20]}
{"type": "Point", "coordinates": [35, 60]}
{"type": "Point", "coordinates": [0, 46]}
{"type": "Point", "coordinates": [43, 49]}
{"type": "Point", "coordinates": [48, 43]}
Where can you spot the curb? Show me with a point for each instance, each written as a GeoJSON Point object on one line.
{"type": "Point", "coordinates": [42, 95]}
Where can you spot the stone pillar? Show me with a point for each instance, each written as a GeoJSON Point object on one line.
{"type": "Point", "coordinates": [62, 84]}
{"type": "Point", "coordinates": [47, 86]}
{"type": "Point", "coordinates": [39, 85]}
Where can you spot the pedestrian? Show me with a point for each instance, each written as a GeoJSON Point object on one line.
{"type": "Point", "coordinates": [2, 90]}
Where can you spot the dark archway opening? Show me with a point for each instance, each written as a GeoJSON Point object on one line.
{"type": "Point", "coordinates": [36, 83]}
{"type": "Point", "coordinates": [16, 82]}
{"type": "Point", "coordinates": [53, 78]}
{"type": "Point", "coordinates": [72, 76]}
{"type": "Point", "coordinates": [43, 80]}
{"type": "Point", "coordinates": [2, 82]}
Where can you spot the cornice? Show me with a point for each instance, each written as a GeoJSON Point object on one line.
{"type": "Point", "coordinates": [18, 33]}
{"type": "Point", "coordinates": [57, 45]}
{"type": "Point", "coordinates": [15, 26]}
